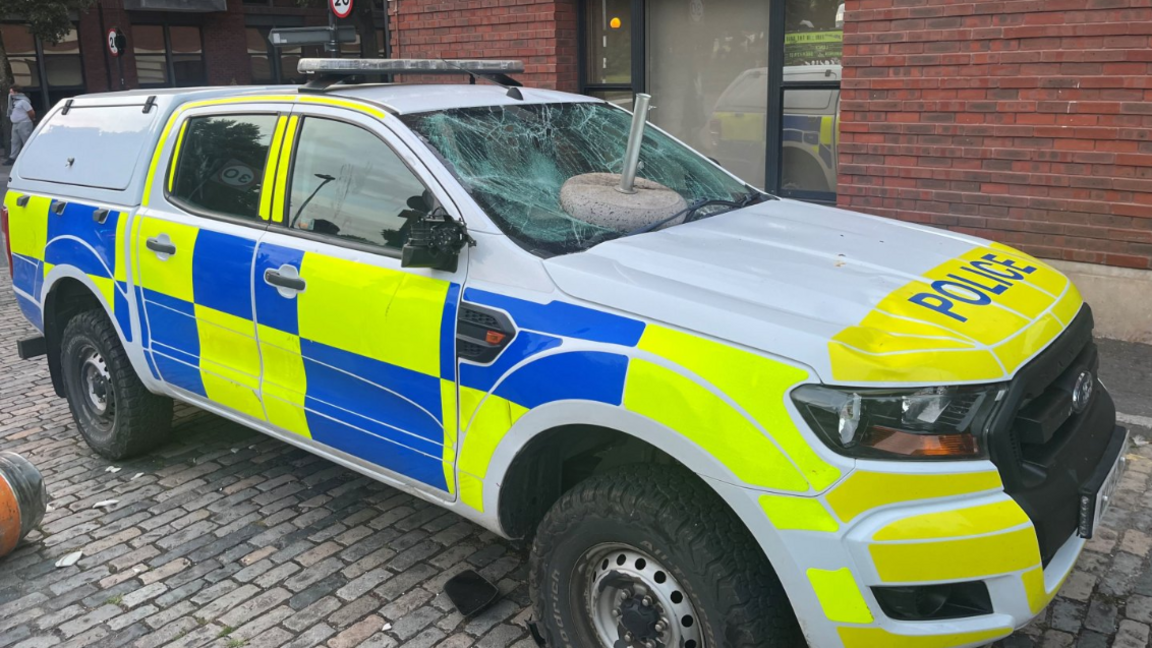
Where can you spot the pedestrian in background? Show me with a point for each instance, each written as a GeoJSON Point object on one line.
{"type": "Point", "coordinates": [21, 116]}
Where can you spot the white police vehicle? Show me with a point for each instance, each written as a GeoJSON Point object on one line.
{"type": "Point", "coordinates": [722, 419]}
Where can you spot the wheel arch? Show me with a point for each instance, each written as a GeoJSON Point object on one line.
{"type": "Point", "coordinates": [67, 292]}
{"type": "Point", "coordinates": [521, 465]}
{"type": "Point", "coordinates": [579, 434]}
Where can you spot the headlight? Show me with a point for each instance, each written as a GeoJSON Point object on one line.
{"type": "Point", "coordinates": [928, 423]}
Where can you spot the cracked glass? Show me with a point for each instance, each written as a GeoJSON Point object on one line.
{"type": "Point", "coordinates": [514, 160]}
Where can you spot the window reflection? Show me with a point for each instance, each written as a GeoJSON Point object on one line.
{"type": "Point", "coordinates": [707, 71]}
{"type": "Point", "coordinates": [813, 46]}
{"type": "Point", "coordinates": [220, 167]}
{"type": "Point", "coordinates": [348, 183]}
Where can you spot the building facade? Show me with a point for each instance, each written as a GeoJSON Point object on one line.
{"type": "Point", "coordinates": [1027, 122]}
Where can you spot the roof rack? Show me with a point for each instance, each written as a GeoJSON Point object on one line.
{"type": "Point", "coordinates": [326, 72]}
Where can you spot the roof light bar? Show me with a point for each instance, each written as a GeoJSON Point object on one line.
{"type": "Point", "coordinates": [477, 67]}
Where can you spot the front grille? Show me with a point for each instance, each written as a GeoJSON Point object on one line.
{"type": "Point", "coordinates": [1045, 451]}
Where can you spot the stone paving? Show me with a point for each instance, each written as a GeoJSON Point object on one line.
{"type": "Point", "coordinates": [226, 538]}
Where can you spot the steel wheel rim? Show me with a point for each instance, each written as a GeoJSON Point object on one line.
{"type": "Point", "coordinates": [633, 601]}
{"type": "Point", "coordinates": [97, 384]}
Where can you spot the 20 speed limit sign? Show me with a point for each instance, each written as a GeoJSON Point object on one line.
{"type": "Point", "coordinates": [116, 42]}
{"type": "Point", "coordinates": [342, 8]}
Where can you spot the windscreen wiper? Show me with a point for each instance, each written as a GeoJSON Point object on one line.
{"type": "Point", "coordinates": [689, 212]}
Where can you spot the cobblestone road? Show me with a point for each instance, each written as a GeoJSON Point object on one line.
{"type": "Point", "coordinates": [226, 538]}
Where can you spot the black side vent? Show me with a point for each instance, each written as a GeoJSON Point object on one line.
{"type": "Point", "coordinates": [481, 334]}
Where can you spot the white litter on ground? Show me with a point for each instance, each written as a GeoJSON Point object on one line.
{"type": "Point", "coordinates": [104, 503]}
{"type": "Point", "coordinates": [112, 469]}
{"type": "Point", "coordinates": [70, 559]}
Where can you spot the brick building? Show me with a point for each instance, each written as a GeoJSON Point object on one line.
{"type": "Point", "coordinates": [1026, 121]}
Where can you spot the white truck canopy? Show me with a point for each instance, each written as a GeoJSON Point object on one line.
{"type": "Point", "coordinates": [98, 147]}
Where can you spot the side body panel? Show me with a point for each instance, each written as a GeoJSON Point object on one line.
{"type": "Point", "coordinates": [197, 301]}
{"type": "Point", "coordinates": [54, 237]}
{"type": "Point", "coordinates": [361, 360]}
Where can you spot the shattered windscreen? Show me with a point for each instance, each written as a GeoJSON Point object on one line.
{"type": "Point", "coordinates": [514, 160]}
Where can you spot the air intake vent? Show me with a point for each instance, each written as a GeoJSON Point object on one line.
{"type": "Point", "coordinates": [481, 333]}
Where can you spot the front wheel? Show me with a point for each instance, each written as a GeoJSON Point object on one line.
{"type": "Point", "coordinates": [115, 412]}
{"type": "Point", "coordinates": [648, 557]}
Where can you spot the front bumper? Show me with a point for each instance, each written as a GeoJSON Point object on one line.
{"type": "Point", "coordinates": [911, 528]}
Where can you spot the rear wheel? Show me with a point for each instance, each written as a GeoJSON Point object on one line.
{"type": "Point", "coordinates": [647, 557]}
{"type": "Point", "coordinates": [115, 413]}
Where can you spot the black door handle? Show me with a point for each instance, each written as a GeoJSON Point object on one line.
{"type": "Point", "coordinates": [100, 215]}
{"type": "Point", "coordinates": [160, 247]}
{"type": "Point", "coordinates": [280, 281]}
{"type": "Point", "coordinates": [58, 207]}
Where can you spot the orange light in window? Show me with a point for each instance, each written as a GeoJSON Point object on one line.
{"type": "Point", "coordinates": [614, 23]}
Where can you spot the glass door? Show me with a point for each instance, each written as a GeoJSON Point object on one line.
{"type": "Point", "coordinates": [608, 51]}
{"type": "Point", "coordinates": [754, 85]}
{"type": "Point", "coordinates": [707, 72]}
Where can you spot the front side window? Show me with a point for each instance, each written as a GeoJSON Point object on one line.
{"type": "Point", "coordinates": [347, 183]}
{"type": "Point", "coordinates": [220, 164]}
{"type": "Point", "coordinates": [514, 160]}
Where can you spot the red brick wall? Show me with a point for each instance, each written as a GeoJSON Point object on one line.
{"type": "Point", "coordinates": [542, 33]}
{"type": "Point", "coordinates": [225, 47]}
{"type": "Point", "coordinates": [1025, 121]}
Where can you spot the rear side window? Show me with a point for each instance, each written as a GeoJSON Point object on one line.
{"type": "Point", "coordinates": [220, 163]}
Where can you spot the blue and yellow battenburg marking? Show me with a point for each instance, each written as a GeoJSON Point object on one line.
{"type": "Point", "coordinates": [374, 378]}
{"type": "Point", "coordinates": [41, 239]}
{"type": "Point", "coordinates": [761, 445]}
{"type": "Point", "coordinates": [198, 309]}
{"type": "Point", "coordinates": [977, 317]}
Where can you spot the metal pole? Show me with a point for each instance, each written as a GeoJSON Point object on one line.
{"type": "Point", "coordinates": [333, 48]}
{"type": "Point", "coordinates": [635, 139]}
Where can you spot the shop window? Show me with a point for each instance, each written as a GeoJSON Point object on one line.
{"type": "Point", "coordinates": [810, 135]}
{"type": "Point", "coordinates": [259, 56]}
{"type": "Point", "coordinates": [34, 62]}
{"type": "Point", "coordinates": [609, 42]}
{"type": "Point", "coordinates": [21, 48]}
{"type": "Point", "coordinates": [168, 55]}
{"type": "Point", "coordinates": [271, 65]}
{"type": "Point", "coordinates": [707, 74]}
{"type": "Point", "coordinates": [220, 166]}
{"type": "Point", "coordinates": [187, 54]}
{"type": "Point", "coordinates": [149, 50]}
{"type": "Point", "coordinates": [706, 65]}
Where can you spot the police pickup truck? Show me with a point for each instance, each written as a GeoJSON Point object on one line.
{"type": "Point", "coordinates": [721, 419]}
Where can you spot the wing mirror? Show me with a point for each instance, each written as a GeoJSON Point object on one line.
{"type": "Point", "coordinates": [435, 241]}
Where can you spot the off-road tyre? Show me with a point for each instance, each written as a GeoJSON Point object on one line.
{"type": "Point", "coordinates": [139, 420]}
{"type": "Point", "coordinates": [668, 513]}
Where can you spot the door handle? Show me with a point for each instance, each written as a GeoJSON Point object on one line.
{"type": "Point", "coordinates": [160, 247]}
{"type": "Point", "coordinates": [100, 215]}
{"type": "Point", "coordinates": [274, 278]}
{"type": "Point", "coordinates": [58, 207]}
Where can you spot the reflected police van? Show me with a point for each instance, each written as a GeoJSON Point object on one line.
{"type": "Point", "coordinates": [735, 131]}
{"type": "Point", "coordinates": [743, 421]}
